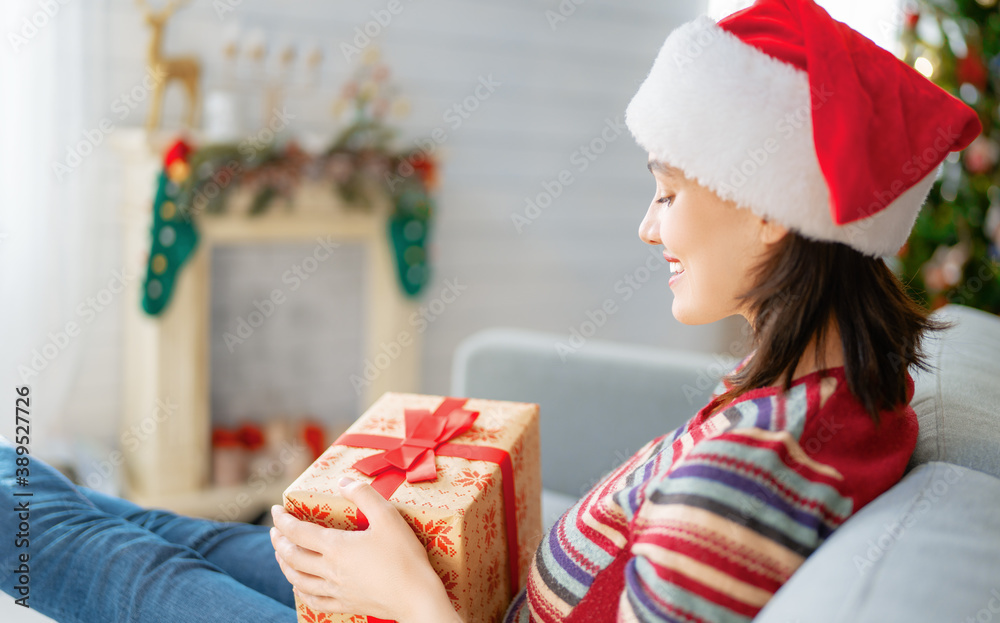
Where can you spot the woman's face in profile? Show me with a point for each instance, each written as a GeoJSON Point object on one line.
{"type": "Point", "coordinates": [715, 242]}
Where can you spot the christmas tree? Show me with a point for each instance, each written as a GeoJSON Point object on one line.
{"type": "Point", "coordinates": [953, 254]}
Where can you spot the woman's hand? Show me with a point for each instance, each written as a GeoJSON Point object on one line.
{"type": "Point", "coordinates": [382, 571]}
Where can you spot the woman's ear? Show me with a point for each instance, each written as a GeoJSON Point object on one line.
{"type": "Point", "coordinates": [770, 231]}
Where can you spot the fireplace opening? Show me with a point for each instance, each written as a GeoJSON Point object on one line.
{"type": "Point", "coordinates": [287, 325]}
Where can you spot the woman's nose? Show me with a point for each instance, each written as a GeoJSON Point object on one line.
{"type": "Point", "coordinates": [649, 231]}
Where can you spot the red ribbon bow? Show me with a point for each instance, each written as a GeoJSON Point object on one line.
{"type": "Point", "coordinates": [425, 432]}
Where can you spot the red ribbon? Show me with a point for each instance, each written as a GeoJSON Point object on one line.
{"type": "Point", "coordinates": [414, 455]}
{"type": "Point", "coordinates": [412, 458]}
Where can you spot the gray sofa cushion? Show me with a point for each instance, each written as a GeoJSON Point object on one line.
{"type": "Point", "coordinates": [927, 549]}
{"type": "Point", "coordinates": [959, 404]}
{"type": "Point", "coordinates": [598, 406]}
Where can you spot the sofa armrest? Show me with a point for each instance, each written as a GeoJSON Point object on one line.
{"type": "Point", "coordinates": [599, 405]}
{"type": "Point", "coordinates": [928, 549]}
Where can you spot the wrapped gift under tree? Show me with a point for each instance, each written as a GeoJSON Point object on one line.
{"type": "Point", "coordinates": [464, 474]}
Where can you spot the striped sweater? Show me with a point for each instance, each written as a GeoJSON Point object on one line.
{"type": "Point", "coordinates": [705, 523]}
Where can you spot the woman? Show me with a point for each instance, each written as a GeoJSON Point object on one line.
{"type": "Point", "coordinates": [789, 154]}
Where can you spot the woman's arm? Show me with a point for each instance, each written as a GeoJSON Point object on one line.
{"type": "Point", "coordinates": [382, 571]}
{"type": "Point", "coordinates": [718, 537]}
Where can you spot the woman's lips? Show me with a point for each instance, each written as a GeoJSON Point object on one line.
{"type": "Point", "coordinates": [675, 277]}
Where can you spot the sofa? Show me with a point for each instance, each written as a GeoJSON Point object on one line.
{"type": "Point", "coordinates": [928, 549]}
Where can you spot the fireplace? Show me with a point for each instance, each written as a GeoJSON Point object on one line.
{"type": "Point", "coordinates": [353, 306]}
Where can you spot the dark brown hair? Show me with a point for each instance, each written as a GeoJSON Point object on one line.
{"type": "Point", "coordinates": [799, 286]}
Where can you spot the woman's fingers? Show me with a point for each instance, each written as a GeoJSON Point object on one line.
{"type": "Point", "coordinates": [303, 533]}
{"type": "Point", "coordinates": [305, 582]}
{"type": "Point", "coordinates": [369, 501]}
{"type": "Point", "coordinates": [322, 604]}
{"type": "Point", "coordinates": [302, 559]}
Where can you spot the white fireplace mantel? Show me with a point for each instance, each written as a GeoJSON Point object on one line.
{"type": "Point", "coordinates": [166, 358]}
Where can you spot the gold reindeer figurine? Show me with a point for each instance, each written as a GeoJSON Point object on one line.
{"type": "Point", "coordinates": [185, 69]}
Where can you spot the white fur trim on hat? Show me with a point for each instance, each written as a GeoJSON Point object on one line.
{"type": "Point", "coordinates": [739, 122]}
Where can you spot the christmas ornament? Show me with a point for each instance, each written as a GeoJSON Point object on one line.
{"type": "Point", "coordinates": [167, 69]}
{"type": "Point", "coordinates": [982, 155]}
{"type": "Point", "coordinates": [972, 69]}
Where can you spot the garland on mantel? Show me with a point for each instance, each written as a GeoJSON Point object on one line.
{"type": "Point", "coordinates": [359, 165]}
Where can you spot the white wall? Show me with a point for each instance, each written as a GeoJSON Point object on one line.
{"type": "Point", "coordinates": [559, 88]}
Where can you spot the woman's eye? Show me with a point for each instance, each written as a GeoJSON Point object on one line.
{"type": "Point", "coordinates": [666, 199]}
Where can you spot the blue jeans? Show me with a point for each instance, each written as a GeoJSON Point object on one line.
{"type": "Point", "coordinates": [95, 558]}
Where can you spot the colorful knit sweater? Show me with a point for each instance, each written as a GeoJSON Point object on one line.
{"type": "Point", "coordinates": [704, 524]}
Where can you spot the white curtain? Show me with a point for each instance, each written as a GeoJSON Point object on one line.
{"type": "Point", "coordinates": [46, 234]}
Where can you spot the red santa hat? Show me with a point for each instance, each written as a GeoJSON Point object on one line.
{"type": "Point", "coordinates": [792, 114]}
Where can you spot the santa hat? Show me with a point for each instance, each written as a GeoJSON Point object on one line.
{"type": "Point", "coordinates": [792, 114]}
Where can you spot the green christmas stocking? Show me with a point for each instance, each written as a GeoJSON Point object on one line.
{"type": "Point", "coordinates": [174, 237]}
{"type": "Point", "coordinates": [408, 227]}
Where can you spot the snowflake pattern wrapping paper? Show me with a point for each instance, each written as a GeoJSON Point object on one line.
{"type": "Point", "coordinates": [460, 516]}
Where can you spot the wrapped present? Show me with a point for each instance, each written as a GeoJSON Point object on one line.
{"type": "Point", "coordinates": [464, 474]}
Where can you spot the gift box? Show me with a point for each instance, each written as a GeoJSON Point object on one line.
{"type": "Point", "coordinates": [464, 474]}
